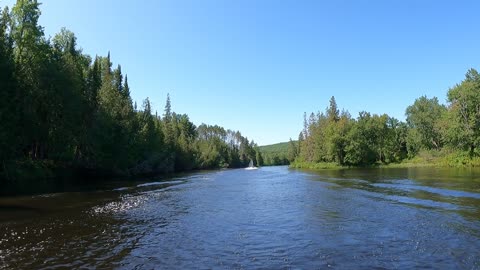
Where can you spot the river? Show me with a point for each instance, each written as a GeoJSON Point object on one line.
{"type": "Point", "coordinates": [271, 218]}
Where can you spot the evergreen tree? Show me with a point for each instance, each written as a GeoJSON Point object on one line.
{"type": "Point", "coordinates": [259, 157]}
{"type": "Point", "coordinates": [9, 108]}
{"type": "Point", "coordinates": [168, 110]}
{"type": "Point", "coordinates": [118, 79]}
{"type": "Point", "coordinates": [126, 90]}
{"type": "Point", "coordinates": [333, 114]}
{"type": "Point", "coordinates": [59, 104]}
{"type": "Point", "coordinates": [168, 125]}
{"type": "Point", "coordinates": [292, 150]}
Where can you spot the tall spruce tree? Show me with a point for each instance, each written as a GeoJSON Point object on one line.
{"type": "Point", "coordinates": [9, 106]}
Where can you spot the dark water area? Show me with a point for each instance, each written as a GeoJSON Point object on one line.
{"type": "Point", "coordinates": [271, 218]}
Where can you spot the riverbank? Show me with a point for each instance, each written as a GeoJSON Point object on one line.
{"type": "Point", "coordinates": [423, 159]}
{"type": "Point", "coordinates": [27, 177]}
{"type": "Point", "coordinates": [30, 177]}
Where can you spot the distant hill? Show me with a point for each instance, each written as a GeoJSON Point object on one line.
{"type": "Point", "coordinates": [275, 154]}
{"type": "Point", "coordinates": [278, 148]}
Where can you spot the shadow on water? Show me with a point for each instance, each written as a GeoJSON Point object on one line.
{"type": "Point", "coordinates": [87, 229]}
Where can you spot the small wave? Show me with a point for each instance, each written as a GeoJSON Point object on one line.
{"type": "Point", "coordinates": [425, 203]}
{"type": "Point", "coordinates": [161, 183]}
{"type": "Point", "coordinates": [123, 205]}
{"type": "Point", "coordinates": [439, 191]}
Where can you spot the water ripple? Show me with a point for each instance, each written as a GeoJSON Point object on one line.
{"type": "Point", "coordinates": [272, 218]}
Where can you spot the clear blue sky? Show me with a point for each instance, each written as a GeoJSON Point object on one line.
{"type": "Point", "coordinates": [257, 65]}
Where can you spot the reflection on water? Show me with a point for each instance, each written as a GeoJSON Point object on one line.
{"type": "Point", "coordinates": [270, 218]}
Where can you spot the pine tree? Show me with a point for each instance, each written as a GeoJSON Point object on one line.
{"type": "Point", "coordinates": [168, 123]}
{"type": "Point", "coordinates": [118, 79]}
{"type": "Point", "coordinates": [259, 157]}
{"type": "Point", "coordinates": [305, 125]}
{"type": "Point", "coordinates": [35, 89]}
{"type": "Point", "coordinates": [168, 110]}
{"type": "Point", "coordinates": [169, 134]}
{"type": "Point", "coordinates": [87, 150]}
{"type": "Point", "coordinates": [126, 88]}
{"type": "Point", "coordinates": [292, 150]}
{"type": "Point", "coordinates": [333, 113]}
{"type": "Point", "coordinates": [26, 31]}
{"type": "Point", "coordinates": [8, 94]}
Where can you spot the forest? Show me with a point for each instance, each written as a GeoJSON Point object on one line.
{"type": "Point", "coordinates": [433, 134]}
{"type": "Point", "coordinates": [61, 108]}
{"type": "Point", "coordinates": [276, 154]}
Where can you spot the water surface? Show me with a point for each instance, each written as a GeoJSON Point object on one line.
{"type": "Point", "coordinates": [272, 218]}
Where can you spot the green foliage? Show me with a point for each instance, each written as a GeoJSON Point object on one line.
{"type": "Point", "coordinates": [259, 157]}
{"type": "Point", "coordinates": [66, 109]}
{"type": "Point", "coordinates": [218, 147]}
{"type": "Point", "coordinates": [360, 147]}
{"type": "Point", "coordinates": [423, 117]}
{"type": "Point", "coordinates": [463, 130]}
{"type": "Point", "coordinates": [433, 134]}
{"type": "Point", "coordinates": [375, 138]}
{"type": "Point", "coordinates": [9, 132]}
{"type": "Point", "coordinates": [315, 165]}
{"type": "Point", "coordinates": [293, 150]}
{"type": "Point", "coordinates": [274, 148]}
{"type": "Point", "coordinates": [275, 154]}
{"type": "Point", "coordinates": [61, 106]}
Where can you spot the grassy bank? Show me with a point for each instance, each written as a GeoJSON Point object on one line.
{"type": "Point", "coordinates": [441, 159]}
{"type": "Point", "coordinates": [315, 166]}
{"type": "Point", "coordinates": [423, 159]}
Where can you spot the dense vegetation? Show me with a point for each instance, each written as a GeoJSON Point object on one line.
{"type": "Point", "coordinates": [279, 153]}
{"type": "Point", "coordinates": [62, 108]}
{"type": "Point", "coordinates": [433, 133]}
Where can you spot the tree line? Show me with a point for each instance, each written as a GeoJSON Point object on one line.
{"type": "Point", "coordinates": [451, 130]}
{"type": "Point", "coordinates": [277, 154]}
{"type": "Point", "coordinates": [66, 108]}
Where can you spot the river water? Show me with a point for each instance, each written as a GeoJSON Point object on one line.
{"type": "Point", "coordinates": [271, 218]}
